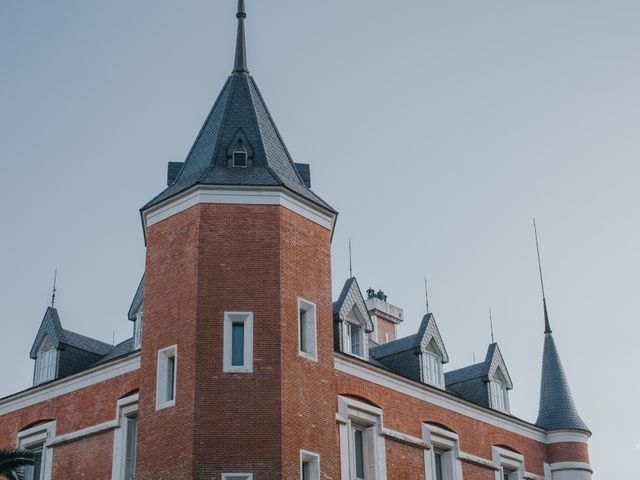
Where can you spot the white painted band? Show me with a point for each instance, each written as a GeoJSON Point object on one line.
{"type": "Point", "coordinates": [478, 461]}
{"type": "Point", "coordinates": [434, 396]}
{"type": "Point", "coordinates": [567, 436]}
{"type": "Point", "coordinates": [555, 467]}
{"type": "Point", "coordinates": [70, 384]}
{"type": "Point", "coordinates": [207, 194]}
{"type": "Point", "coordinates": [404, 438]}
{"type": "Point", "coordinates": [85, 432]}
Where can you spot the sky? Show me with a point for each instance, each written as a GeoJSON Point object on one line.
{"type": "Point", "coordinates": [437, 129]}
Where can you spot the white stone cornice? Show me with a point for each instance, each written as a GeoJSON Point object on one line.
{"type": "Point", "coordinates": [567, 436]}
{"type": "Point", "coordinates": [555, 467]}
{"type": "Point", "coordinates": [236, 195]}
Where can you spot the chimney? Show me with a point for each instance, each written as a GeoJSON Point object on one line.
{"type": "Point", "coordinates": [385, 316]}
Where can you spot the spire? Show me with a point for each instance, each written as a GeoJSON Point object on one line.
{"type": "Point", "coordinates": [53, 295]}
{"type": "Point", "coordinates": [241, 43]}
{"type": "Point", "coordinates": [547, 325]}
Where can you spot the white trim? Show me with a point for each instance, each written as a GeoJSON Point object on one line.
{"type": "Point", "coordinates": [40, 435]}
{"type": "Point", "coordinates": [237, 476]}
{"type": "Point", "coordinates": [567, 436]}
{"type": "Point", "coordinates": [478, 461]}
{"type": "Point", "coordinates": [70, 384]}
{"type": "Point", "coordinates": [404, 438]}
{"type": "Point", "coordinates": [124, 407]}
{"type": "Point", "coordinates": [312, 458]}
{"type": "Point", "coordinates": [556, 467]}
{"type": "Point", "coordinates": [229, 319]}
{"type": "Point", "coordinates": [164, 355]}
{"type": "Point", "coordinates": [310, 309]}
{"type": "Point", "coordinates": [85, 432]}
{"type": "Point", "coordinates": [209, 194]}
{"type": "Point", "coordinates": [435, 397]}
{"type": "Point", "coordinates": [532, 476]}
{"type": "Point", "coordinates": [512, 461]}
{"type": "Point", "coordinates": [447, 444]}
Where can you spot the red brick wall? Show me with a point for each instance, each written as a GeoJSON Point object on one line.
{"type": "Point", "coordinates": [384, 327]}
{"type": "Point", "coordinates": [87, 459]}
{"type": "Point", "coordinates": [308, 406]}
{"type": "Point", "coordinates": [404, 461]}
{"type": "Point", "coordinates": [406, 414]}
{"type": "Point", "coordinates": [568, 452]}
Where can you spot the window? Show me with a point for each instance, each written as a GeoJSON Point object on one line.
{"type": "Point", "coordinates": [432, 368]}
{"type": "Point", "coordinates": [240, 155]}
{"type": "Point", "coordinates": [499, 396]}
{"type": "Point", "coordinates": [362, 449]}
{"type": "Point", "coordinates": [238, 342]}
{"type": "Point", "coordinates": [307, 329]}
{"type": "Point", "coordinates": [309, 465]}
{"type": "Point", "coordinates": [35, 440]}
{"type": "Point", "coordinates": [442, 459]}
{"type": "Point", "coordinates": [166, 377]}
{"type": "Point", "coordinates": [46, 366]}
{"type": "Point", "coordinates": [237, 476]}
{"type": "Point", "coordinates": [354, 339]}
{"type": "Point", "coordinates": [126, 439]}
{"type": "Point", "coordinates": [137, 332]}
{"type": "Point", "coordinates": [511, 464]}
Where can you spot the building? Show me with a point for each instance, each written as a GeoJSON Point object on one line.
{"type": "Point", "coordinates": [226, 380]}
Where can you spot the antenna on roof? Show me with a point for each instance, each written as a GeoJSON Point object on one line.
{"type": "Point", "coordinates": [426, 292]}
{"type": "Point", "coordinates": [547, 325]}
{"type": "Point", "coordinates": [53, 295]}
{"type": "Point", "coordinates": [350, 261]}
{"type": "Point", "coordinates": [491, 323]}
{"type": "Point", "coordinates": [113, 338]}
{"type": "Point", "coordinates": [474, 358]}
{"type": "Point", "coordinates": [241, 43]}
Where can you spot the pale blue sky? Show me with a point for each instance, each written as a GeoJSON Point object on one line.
{"type": "Point", "coordinates": [437, 129]}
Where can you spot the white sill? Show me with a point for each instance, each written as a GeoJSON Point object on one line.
{"type": "Point", "coordinates": [162, 406]}
{"type": "Point", "coordinates": [238, 369]}
{"type": "Point", "coordinates": [308, 356]}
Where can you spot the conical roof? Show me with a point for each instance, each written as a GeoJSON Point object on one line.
{"type": "Point", "coordinates": [240, 115]}
{"type": "Point", "coordinates": [557, 409]}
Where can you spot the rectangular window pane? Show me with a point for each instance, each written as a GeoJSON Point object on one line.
{"type": "Point", "coordinates": [356, 339]}
{"type": "Point", "coordinates": [306, 466]}
{"type": "Point", "coordinates": [303, 331]}
{"type": "Point", "coordinates": [171, 372]}
{"type": "Point", "coordinates": [358, 439]}
{"type": "Point", "coordinates": [237, 344]}
{"type": "Point", "coordinates": [130, 449]}
{"type": "Point", "coordinates": [33, 472]}
{"type": "Point", "coordinates": [438, 461]}
{"type": "Point", "coordinates": [239, 159]}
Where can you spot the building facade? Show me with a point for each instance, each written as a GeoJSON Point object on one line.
{"type": "Point", "coordinates": [240, 365]}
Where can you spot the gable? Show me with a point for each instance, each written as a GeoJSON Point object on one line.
{"type": "Point", "coordinates": [350, 306]}
{"type": "Point", "coordinates": [50, 331]}
{"type": "Point", "coordinates": [429, 336]}
{"type": "Point", "coordinates": [497, 370]}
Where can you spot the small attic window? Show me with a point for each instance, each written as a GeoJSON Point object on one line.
{"type": "Point", "coordinates": [499, 392]}
{"type": "Point", "coordinates": [240, 155]}
{"type": "Point", "coordinates": [46, 364]}
{"type": "Point", "coordinates": [432, 372]}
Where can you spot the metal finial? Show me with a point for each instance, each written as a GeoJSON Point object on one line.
{"type": "Point", "coordinates": [241, 43]}
{"type": "Point", "coordinates": [53, 295]}
{"type": "Point", "coordinates": [491, 323]}
{"type": "Point", "coordinates": [426, 292]}
{"type": "Point", "coordinates": [547, 325]}
{"type": "Point", "coordinates": [350, 261]}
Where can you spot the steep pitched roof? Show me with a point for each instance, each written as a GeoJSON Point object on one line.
{"type": "Point", "coordinates": [240, 113]}
{"type": "Point", "coordinates": [350, 298]}
{"type": "Point", "coordinates": [484, 370]}
{"type": "Point", "coordinates": [557, 409]}
{"type": "Point", "coordinates": [137, 301]}
{"type": "Point", "coordinates": [49, 327]}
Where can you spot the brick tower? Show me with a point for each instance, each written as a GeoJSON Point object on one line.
{"type": "Point", "coordinates": [237, 358]}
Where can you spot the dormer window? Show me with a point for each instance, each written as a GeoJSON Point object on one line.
{"type": "Point", "coordinates": [240, 155]}
{"type": "Point", "coordinates": [499, 392]}
{"type": "Point", "coordinates": [137, 332]}
{"type": "Point", "coordinates": [432, 366]}
{"type": "Point", "coordinates": [354, 339]}
{"type": "Point", "coordinates": [46, 364]}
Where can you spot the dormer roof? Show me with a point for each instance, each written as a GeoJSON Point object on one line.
{"type": "Point", "coordinates": [351, 301]}
{"type": "Point", "coordinates": [137, 302]}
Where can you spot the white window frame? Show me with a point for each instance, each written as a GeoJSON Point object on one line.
{"type": "Point", "coordinates": [50, 369]}
{"type": "Point", "coordinates": [439, 370]}
{"type": "Point", "coordinates": [161, 377]}
{"type": "Point", "coordinates": [229, 319]}
{"type": "Point", "coordinates": [39, 436]}
{"type": "Point", "coordinates": [241, 149]}
{"type": "Point", "coordinates": [311, 330]}
{"type": "Point", "coordinates": [125, 407]}
{"type": "Point", "coordinates": [237, 476]}
{"type": "Point", "coordinates": [137, 331]}
{"type": "Point", "coordinates": [347, 339]}
{"type": "Point", "coordinates": [510, 462]}
{"type": "Point", "coordinates": [444, 442]}
{"type": "Point", "coordinates": [499, 396]}
{"type": "Point", "coordinates": [355, 414]}
{"type": "Point", "coordinates": [313, 459]}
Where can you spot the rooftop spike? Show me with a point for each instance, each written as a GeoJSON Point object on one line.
{"type": "Point", "coordinates": [241, 44]}
{"type": "Point", "coordinates": [547, 325]}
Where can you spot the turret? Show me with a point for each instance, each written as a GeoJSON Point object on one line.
{"type": "Point", "coordinates": [237, 356]}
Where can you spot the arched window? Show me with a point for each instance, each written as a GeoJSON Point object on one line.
{"type": "Point", "coordinates": [240, 155]}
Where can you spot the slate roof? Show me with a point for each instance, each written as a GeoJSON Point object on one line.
{"type": "Point", "coordinates": [557, 408]}
{"type": "Point", "coordinates": [239, 112]}
{"type": "Point", "coordinates": [350, 297]}
{"type": "Point", "coordinates": [123, 348]}
{"type": "Point", "coordinates": [86, 343]}
{"type": "Point", "coordinates": [465, 374]}
{"type": "Point", "coordinates": [137, 301]}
